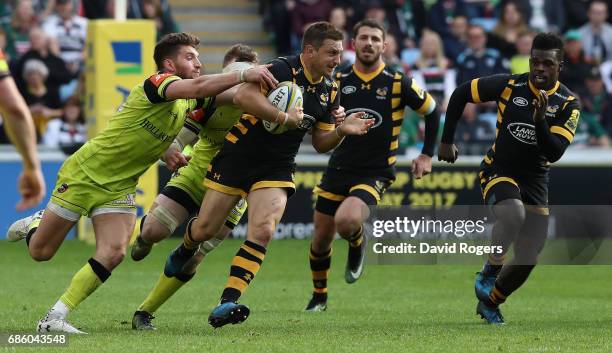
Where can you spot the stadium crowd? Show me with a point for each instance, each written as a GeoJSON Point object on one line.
{"type": "Point", "coordinates": [444, 43]}
{"type": "Point", "coordinates": [44, 42]}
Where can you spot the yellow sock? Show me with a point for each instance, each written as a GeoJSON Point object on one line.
{"type": "Point", "coordinates": [84, 282]}
{"type": "Point", "coordinates": [164, 289]}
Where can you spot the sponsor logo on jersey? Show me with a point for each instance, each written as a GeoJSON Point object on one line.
{"type": "Point", "coordinates": [159, 78]}
{"type": "Point", "coordinates": [130, 200]}
{"type": "Point", "coordinates": [523, 132]}
{"type": "Point", "coordinates": [369, 114]}
{"type": "Point", "coordinates": [381, 93]}
{"type": "Point", "coordinates": [349, 89]}
{"type": "Point", "coordinates": [520, 101]}
{"type": "Point", "coordinates": [572, 123]}
{"type": "Point", "coordinates": [417, 89]}
{"type": "Point", "coordinates": [324, 97]}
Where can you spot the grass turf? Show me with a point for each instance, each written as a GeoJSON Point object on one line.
{"type": "Point", "coordinates": [391, 309]}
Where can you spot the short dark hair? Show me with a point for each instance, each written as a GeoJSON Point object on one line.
{"type": "Point", "coordinates": [318, 32]}
{"type": "Point", "coordinates": [169, 45]}
{"type": "Point", "coordinates": [240, 53]}
{"type": "Point", "coordinates": [548, 41]}
{"type": "Point", "coordinates": [369, 22]}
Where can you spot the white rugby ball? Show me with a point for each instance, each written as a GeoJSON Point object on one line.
{"type": "Point", "coordinates": [285, 96]}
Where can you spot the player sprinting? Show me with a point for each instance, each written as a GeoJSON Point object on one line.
{"type": "Point", "coordinates": [537, 117]}
{"type": "Point", "coordinates": [100, 179]}
{"type": "Point", "coordinates": [363, 167]}
{"type": "Point", "coordinates": [20, 130]}
{"type": "Point", "coordinates": [183, 194]}
{"type": "Point", "coordinates": [256, 164]}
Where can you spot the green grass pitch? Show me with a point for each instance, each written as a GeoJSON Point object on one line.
{"type": "Point", "coordinates": [390, 309]}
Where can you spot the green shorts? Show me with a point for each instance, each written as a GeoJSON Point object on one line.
{"type": "Point", "coordinates": [76, 194]}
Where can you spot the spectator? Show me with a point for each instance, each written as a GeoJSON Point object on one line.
{"type": "Point", "coordinates": [305, 13]}
{"type": "Point", "coordinates": [69, 132]}
{"type": "Point", "coordinates": [432, 69]}
{"type": "Point", "coordinates": [280, 20]}
{"type": "Point", "coordinates": [391, 55]}
{"type": "Point", "coordinates": [597, 34]}
{"type": "Point", "coordinates": [337, 17]}
{"type": "Point", "coordinates": [43, 103]}
{"type": "Point", "coordinates": [575, 63]}
{"type": "Point", "coordinates": [23, 18]}
{"type": "Point", "coordinates": [519, 63]}
{"type": "Point", "coordinates": [43, 50]}
{"type": "Point", "coordinates": [596, 114]}
{"type": "Point", "coordinates": [478, 60]}
{"type": "Point", "coordinates": [542, 15]}
{"type": "Point", "coordinates": [510, 25]}
{"type": "Point", "coordinates": [442, 13]}
{"type": "Point", "coordinates": [164, 24]}
{"type": "Point", "coordinates": [409, 16]}
{"type": "Point", "coordinates": [70, 31]}
{"type": "Point", "coordinates": [456, 41]}
{"type": "Point", "coordinates": [576, 11]}
{"type": "Point", "coordinates": [473, 135]}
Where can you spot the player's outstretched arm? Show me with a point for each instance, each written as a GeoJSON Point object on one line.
{"type": "Point", "coordinates": [20, 130]}
{"type": "Point", "coordinates": [212, 85]}
{"type": "Point", "coordinates": [354, 124]}
{"type": "Point", "coordinates": [252, 101]}
{"type": "Point", "coordinates": [422, 164]}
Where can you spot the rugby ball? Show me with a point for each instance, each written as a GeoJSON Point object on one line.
{"type": "Point", "coordinates": [285, 96]}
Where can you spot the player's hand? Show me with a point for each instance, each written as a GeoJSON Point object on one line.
{"type": "Point", "coordinates": [541, 103]}
{"type": "Point", "coordinates": [421, 166]}
{"type": "Point", "coordinates": [295, 116]}
{"type": "Point", "coordinates": [175, 159]}
{"type": "Point", "coordinates": [355, 124]}
{"type": "Point", "coordinates": [339, 115]}
{"type": "Point", "coordinates": [31, 186]}
{"type": "Point", "coordinates": [448, 152]}
{"type": "Point", "coordinates": [260, 74]}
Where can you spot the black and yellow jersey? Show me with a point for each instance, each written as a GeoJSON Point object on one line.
{"type": "Point", "coordinates": [251, 140]}
{"type": "Point", "coordinates": [4, 68]}
{"type": "Point", "coordinates": [516, 147]}
{"type": "Point", "coordinates": [383, 95]}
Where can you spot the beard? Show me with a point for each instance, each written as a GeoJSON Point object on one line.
{"type": "Point", "coordinates": [368, 62]}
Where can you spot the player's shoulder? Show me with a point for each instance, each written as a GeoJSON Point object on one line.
{"type": "Point", "coordinates": [518, 80]}
{"type": "Point", "coordinates": [567, 95]}
{"type": "Point", "coordinates": [158, 78]}
{"type": "Point", "coordinates": [394, 74]}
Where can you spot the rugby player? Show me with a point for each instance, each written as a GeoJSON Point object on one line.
{"type": "Point", "coordinates": [363, 167]}
{"type": "Point", "coordinates": [258, 165]}
{"type": "Point", "coordinates": [183, 194]}
{"type": "Point", "coordinates": [100, 179]}
{"type": "Point", "coordinates": [537, 117]}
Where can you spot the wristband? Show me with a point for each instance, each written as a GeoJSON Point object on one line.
{"type": "Point", "coordinates": [336, 131]}
{"type": "Point", "coordinates": [242, 75]}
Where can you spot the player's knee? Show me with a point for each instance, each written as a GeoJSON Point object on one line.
{"type": "Point", "coordinates": [159, 224]}
{"type": "Point", "coordinates": [347, 225]}
{"type": "Point", "coordinates": [263, 231]}
{"type": "Point", "coordinates": [202, 229]}
{"type": "Point", "coordinates": [41, 253]}
{"type": "Point", "coordinates": [113, 255]}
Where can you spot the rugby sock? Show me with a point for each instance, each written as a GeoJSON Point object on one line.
{"type": "Point", "coordinates": [84, 282]}
{"type": "Point", "coordinates": [320, 264]}
{"type": "Point", "coordinates": [245, 266]}
{"type": "Point", "coordinates": [494, 264]}
{"type": "Point", "coordinates": [496, 297]}
{"type": "Point", "coordinates": [356, 239]}
{"type": "Point", "coordinates": [512, 278]}
{"type": "Point", "coordinates": [163, 290]}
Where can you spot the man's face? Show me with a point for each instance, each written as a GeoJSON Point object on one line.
{"type": "Point", "coordinates": [64, 10]}
{"type": "Point", "coordinates": [326, 58]}
{"type": "Point", "coordinates": [544, 68]}
{"type": "Point", "coordinates": [187, 63]}
{"type": "Point", "coordinates": [598, 13]}
{"type": "Point", "coordinates": [369, 45]}
{"type": "Point", "coordinates": [477, 39]}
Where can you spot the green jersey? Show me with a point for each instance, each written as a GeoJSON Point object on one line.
{"type": "Point", "coordinates": [137, 135]}
{"type": "Point", "coordinates": [213, 125]}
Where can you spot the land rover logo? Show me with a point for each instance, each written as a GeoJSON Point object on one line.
{"type": "Point", "coordinates": [349, 89]}
{"type": "Point", "coordinates": [370, 114]}
{"type": "Point", "coordinates": [520, 101]}
{"type": "Point", "coordinates": [523, 132]}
